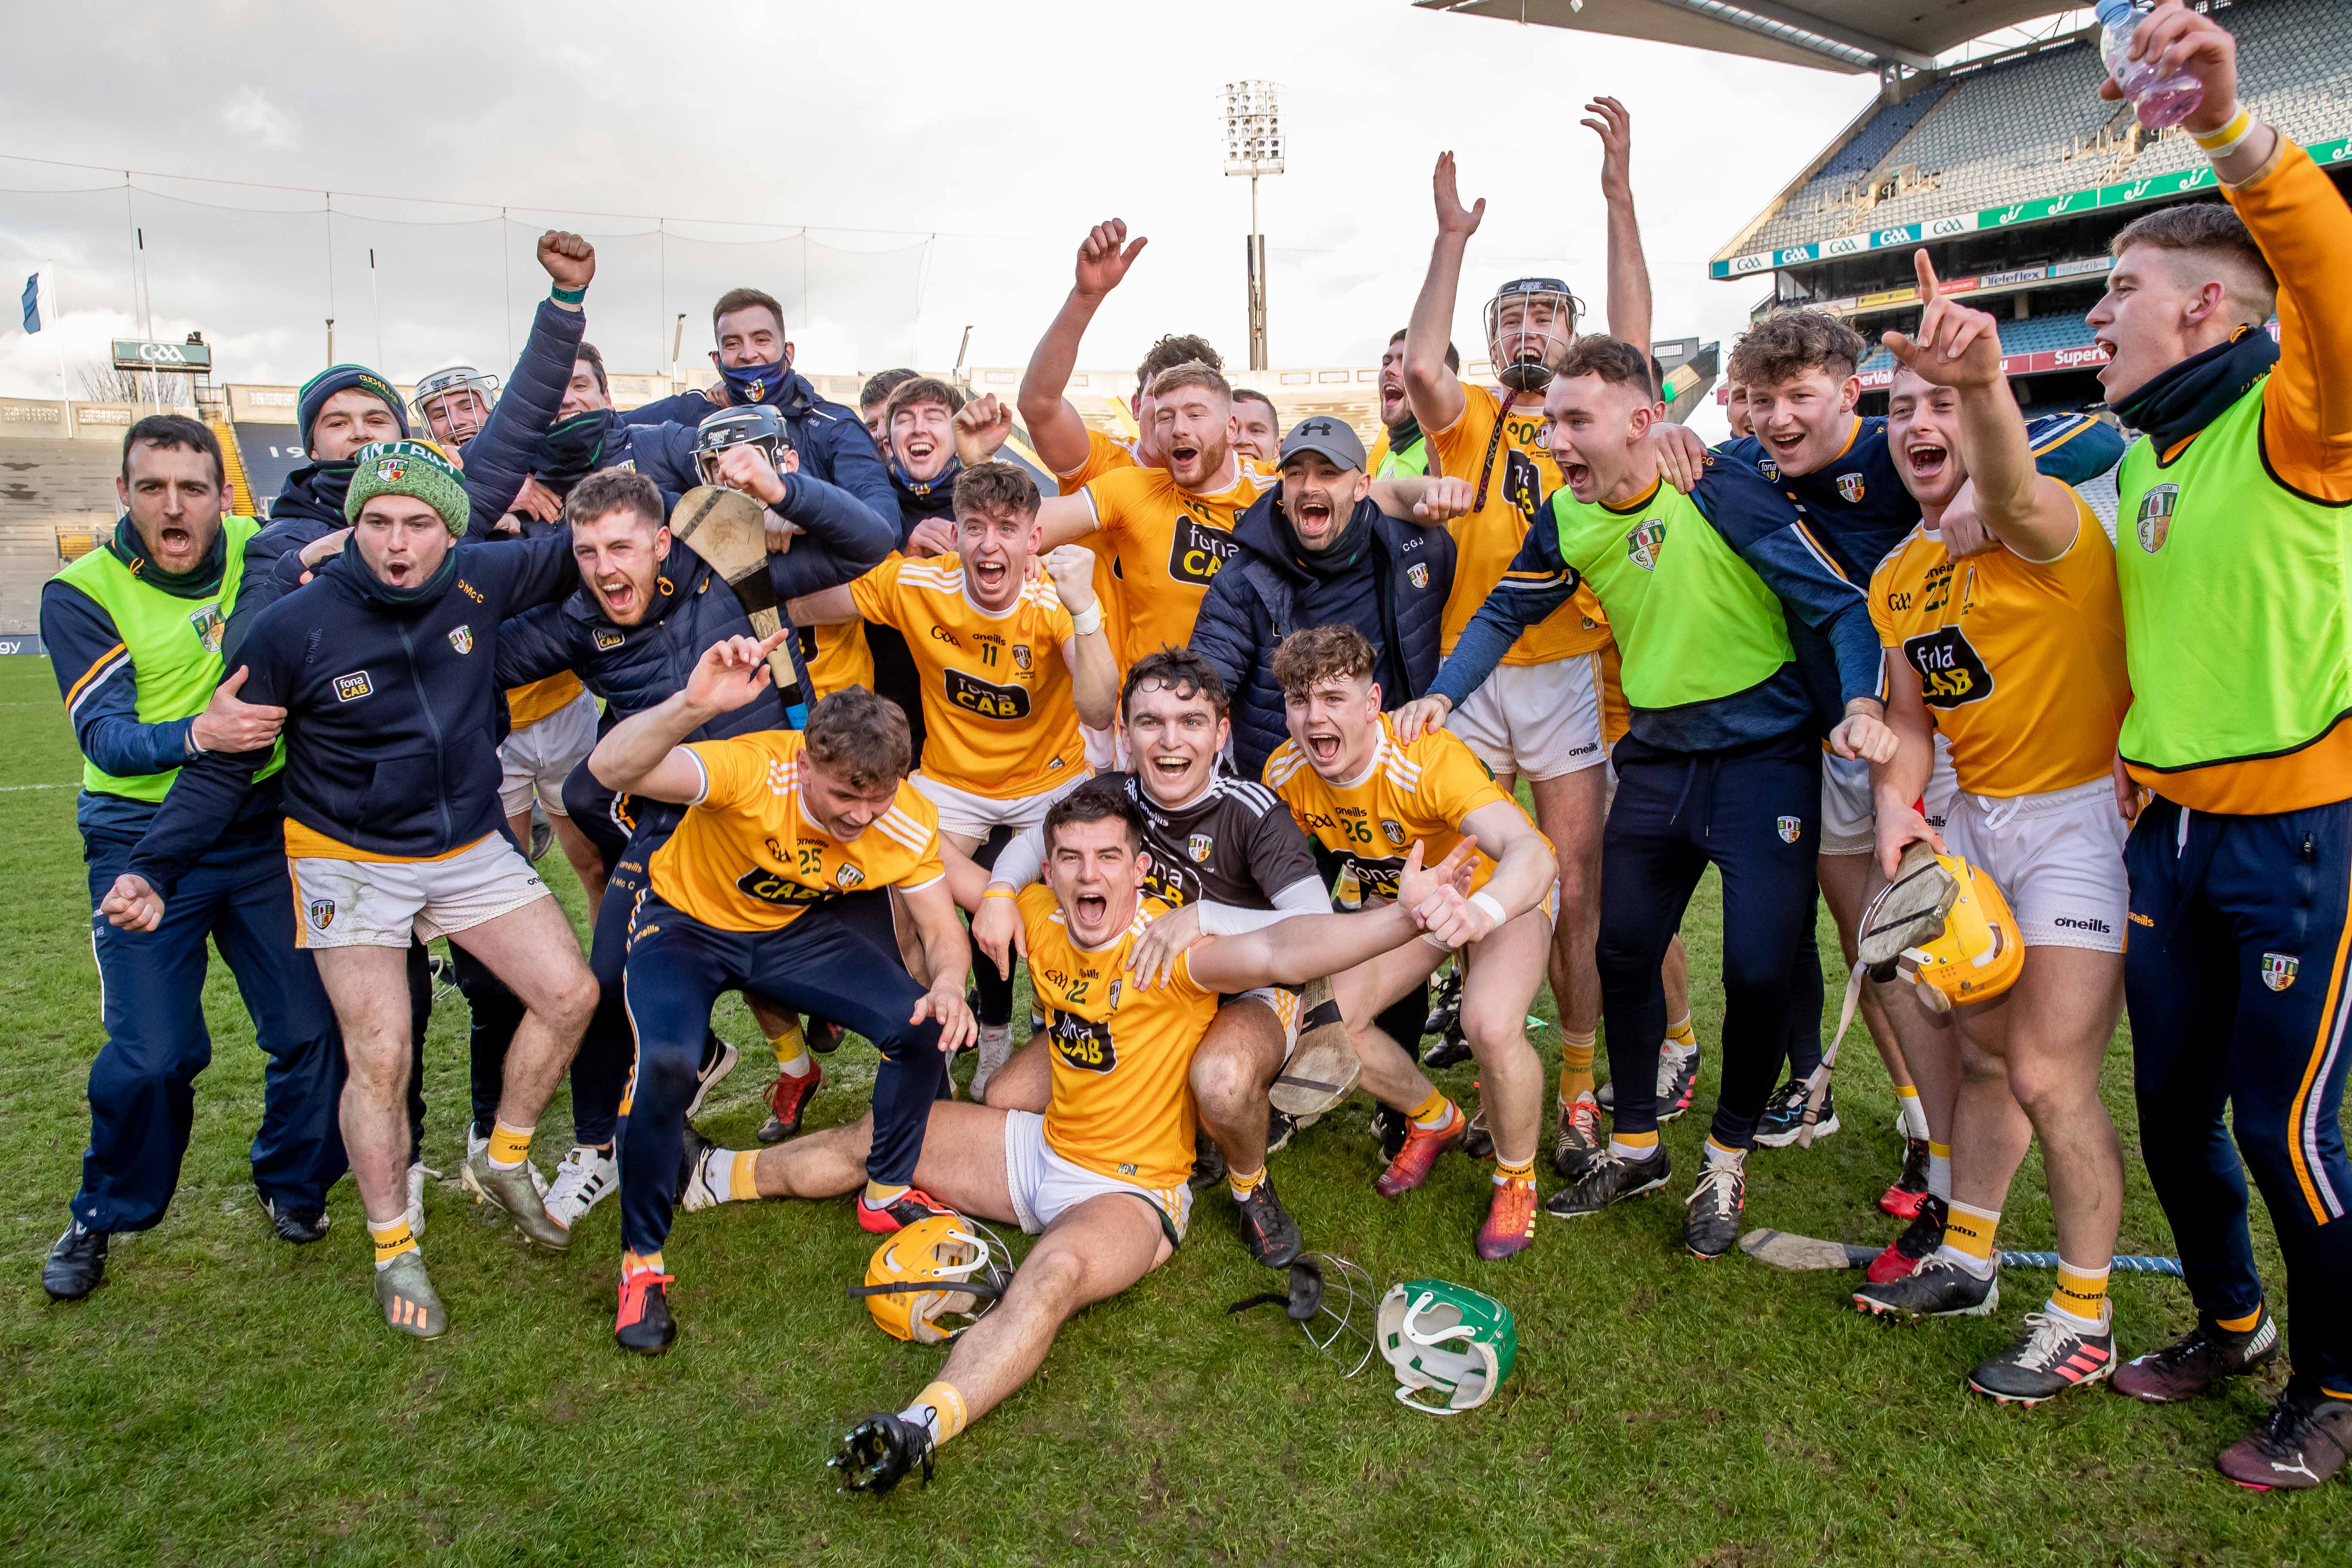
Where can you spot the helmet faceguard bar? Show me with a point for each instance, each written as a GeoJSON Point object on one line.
{"type": "Point", "coordinates": [1531, 323]}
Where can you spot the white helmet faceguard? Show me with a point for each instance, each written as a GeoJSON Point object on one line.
{"type": "Point", "coordinates": [1331, 1301]}
{"type": "Point", "coordinates": [454, 404]}
{"type": "Point", "coordinates": [1530, 324]}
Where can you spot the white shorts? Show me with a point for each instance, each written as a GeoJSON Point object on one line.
{"type": "Point", "coordinates": [1849, 814]}
{"type": "Point", "coordinates": [973, 816]}
{"type": "Point", "coordinates": [1286, 1011]}
{"type": "Point", "coordinates": [381, 903]}
{"type": "Point", "coordinates": [2058, 859]}
{"type": "Point", "coordinates": [1045, 1186]}
{"type": "Point", "coordinates": [1537, 721]}
{"type": "Point", "coordinates": [537, 760]}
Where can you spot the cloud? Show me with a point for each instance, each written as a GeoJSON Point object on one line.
{"type": "Point", "coordinates": [253, 117]}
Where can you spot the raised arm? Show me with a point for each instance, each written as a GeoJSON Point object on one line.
{"type": "Point", "coordinates": [499, 456]}
{"type": "Point", "coordinates": [2032, 514]}
{"type": "Point", "coordinates": [642, 754]}
{"type": "Point", "coordinates": [1066, 519]}
{"type": "Point", "coordinates": [1056, 433]}
{"type": "Point", "coordinates": [1629, 271]}
{"type": "Point", "coordinates": [1433, 391]}
{"type": "Point", "coordinates": [1093, 669]}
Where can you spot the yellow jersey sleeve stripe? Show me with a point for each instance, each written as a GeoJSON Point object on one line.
{"type": "Point", "coordinates": [95, 675]}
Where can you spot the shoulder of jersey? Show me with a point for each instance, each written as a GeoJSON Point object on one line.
{"type": "Point", "coordinates": [1284, 764]}
{"type": "Point", "coordinates": [1893, 558]}
{"type": "Point", "coordinates": [1255, 798]}
{"type": "Point", "coordinates": [1036, 901]}
{"type": "Point", "coordinates": [1040, 591]}
{"type": "Point", "coordinates": [1404, 761]}
{"type": "Point", "coordinates": [912, 822]}
{"type": "Point", "coordinates": [943, 573]}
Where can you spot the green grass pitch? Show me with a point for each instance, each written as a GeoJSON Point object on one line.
{"type": "Point", "coordinates": [226, 1398]}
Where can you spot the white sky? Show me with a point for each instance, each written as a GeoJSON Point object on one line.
{"type": "Point", "coordinates": [1002, 130]}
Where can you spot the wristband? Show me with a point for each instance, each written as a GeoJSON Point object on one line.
{"type": "Point", "coordinates": [2223, 142]}
{"type": "Point", "coordinates": [1493, 906]}
{"type": "Point", "coordinates": [999, 890]}
{"type": "Point", "coordinates": [563, 296]}
{"type": "Point", "coordinates": [1087, 622]}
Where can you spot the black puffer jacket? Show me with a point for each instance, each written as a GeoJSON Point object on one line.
{"type": "Point", "coordinates": [1263, 596]}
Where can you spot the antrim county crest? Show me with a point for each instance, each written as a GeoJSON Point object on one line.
{"type": "Point", "coordinates": [1199, 846]}
{"type": "Point", "coordinates": [208, 624]}
{"type": "Point", "coordinates": [1417, 574]}
{"type": "Point", "coordinates": [2278, 968]}
{"type": "Point", "coordinates": [1791, 829]}
{"type": "Point", "coordinates": [848, 877]}
{"type": "Point", "coordinates": [1643, 545]}
{"type": "Point", "coordinates": [1850, 486]}
{"type": "Point", "coordinates": [462, 639]}
{"type": "Point", "coordinates": [2155, 522]}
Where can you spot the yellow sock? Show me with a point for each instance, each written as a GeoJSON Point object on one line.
{"type": "Point", "coordinates": [791, 1048]}
{"type": "Point", "coordinates": [2245, 1325]}
{"type": "Point", "coordinates": [1433, 1112]}
{"type": "Point", "coordinates": [1967, 1236]}
{"type": "Point", "coordinates": [641, 1262]}
{"type": "Point", "coordinates": [2081, 1293]}
{"type": "Point", "coordinates": [1633, 1146]}
{"type": "Point", "coordinates": [938, 1407]}
{"type": "Point", "coordinates": [1684, 1037]}
{"type": "Point", "coordinates": [1575, 1066]}
{"type": "Point", "coordinates": [742, 1184]}
{"type": "Point", "coordinates": [509, 1146]}
{"type": "Point", "coordinates": [1507, 1171]}
{"type": "Point", "coordinates": [880, 1192]}
{"type": "Point", "coordinates": [391, 1239]}
{"type": "Point", "coordinates": [1243, 1186]}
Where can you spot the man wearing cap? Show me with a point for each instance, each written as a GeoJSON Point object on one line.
{"type": "Point", "coordinates": [1317, 551]}
{"type": "Point", "coordinates": [385, 666]}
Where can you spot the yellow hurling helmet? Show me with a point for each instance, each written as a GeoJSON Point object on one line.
{"type": "Point", "coordinates": [1979, 952]}
{"type": "Point", "coordinates": [943, 1267]}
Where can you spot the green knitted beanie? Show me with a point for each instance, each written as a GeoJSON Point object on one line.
{"type": "Point", "coordinates": [409, 468]}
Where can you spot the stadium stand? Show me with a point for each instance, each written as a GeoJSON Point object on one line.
{"type": "Point", "coordinates": [2036, 334]}
{"type": "Point", "coordinates": [2030, 126]}
{"type": "Point", "coordinates": [57, 501]}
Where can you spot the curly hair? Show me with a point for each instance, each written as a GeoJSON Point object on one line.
{"type": "Point", "coordinates": [1307, 659]}
{"type": "Point", "coordinates": [1780, 348]}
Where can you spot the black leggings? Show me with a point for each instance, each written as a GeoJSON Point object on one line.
{"type": "Point", "coordinates": [1754, 813]}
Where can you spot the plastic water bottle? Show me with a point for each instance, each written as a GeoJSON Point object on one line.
{"type": "Point", "coordinates": [2160, 103]}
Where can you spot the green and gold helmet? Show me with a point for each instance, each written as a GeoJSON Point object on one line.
{"type": "Point", "coordinates": [1447, 1338]}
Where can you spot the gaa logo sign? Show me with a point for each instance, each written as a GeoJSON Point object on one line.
{"type": "Point", "coordinates": [1642, 546]}
{"type": "Point", "coordinates": [2154, 524]}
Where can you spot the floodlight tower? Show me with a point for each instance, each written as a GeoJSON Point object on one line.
{"type": "Point", "coordinates": [1254, 147]}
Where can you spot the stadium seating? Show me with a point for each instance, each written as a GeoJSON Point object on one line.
{"type": "Point", "coordinates": [50, 491]}
{"type": "Point", "coordinates": [2035, 335]}
{"type": "Point", "coordinates": [2031, 127]}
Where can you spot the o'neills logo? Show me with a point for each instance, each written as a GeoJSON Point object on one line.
{"type": "Point", "coordinates": [2155, 520]}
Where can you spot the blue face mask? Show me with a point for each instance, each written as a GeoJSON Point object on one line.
{"type": "Point", "coordinates": [756, 383]}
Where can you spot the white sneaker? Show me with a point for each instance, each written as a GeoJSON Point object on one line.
{"type": "Point", "coordinates": [585, 1179]}
{"type": "Point", "coordinates": [417, 1171]}
{"type": "Point", "coordinates": [995, 1050]}
{"type": "Point", "coordinates": [475, 1142]}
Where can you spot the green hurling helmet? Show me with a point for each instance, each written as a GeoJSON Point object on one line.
{"type": "Point", "coordinates": [1449, 1338]}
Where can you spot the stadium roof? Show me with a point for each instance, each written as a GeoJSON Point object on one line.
{"type": "Point", "coordinates": [1828, 35]}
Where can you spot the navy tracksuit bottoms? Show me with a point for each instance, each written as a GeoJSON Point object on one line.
{"type": "Point", "coordinates": [143, 1083]}
{"type": "Point", "coordinates": [1752, 812]}
{"type": "Point", "coordinates": [839, 961]}
{"type": "Point", "coordinates": [2236, 978]}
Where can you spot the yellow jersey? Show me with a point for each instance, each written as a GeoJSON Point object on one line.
{"type": "Point", "coordinates": [1122, 1053]}
{"type": "Point", "coordinates": [1169, 544]}
{"type": "Point", "coordinates": [1000, 714]}
{"type": "Point", "coordinates": [2021, 663]}
{"type": "Point", "coordinates": [837, 659]}
{"type": "Point", "coordinates": [748, 857]}
{"type": "Point", "coordinates": [1522, 477]}
{"type": "Point", "coordinates": [1422, 791]}
{"type": "Point", "coordinates": [527, 705]}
